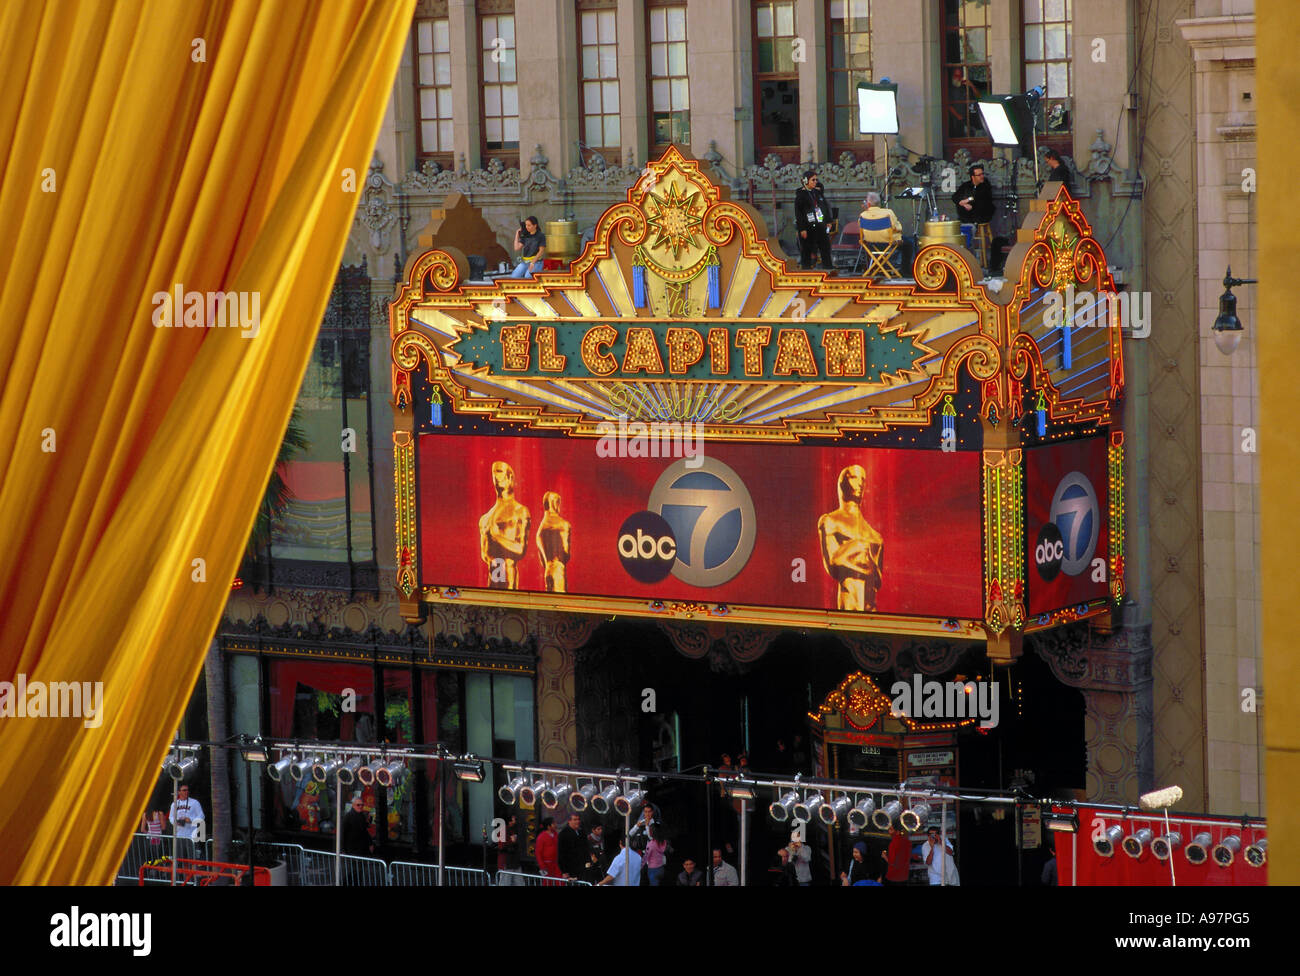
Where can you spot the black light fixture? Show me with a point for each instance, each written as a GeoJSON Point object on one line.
{"type": "Point", "coordinates": [1063, 821]}
{"type": "Point", "coordinates": [739, 789]}
{"type": "Point", "coordinates": [252, 749]}
{"type": "Point", "coordinates": [468, 769]}
{"type": "Point", "coordinates": [1227, 327]}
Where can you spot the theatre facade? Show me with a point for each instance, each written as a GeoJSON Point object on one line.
{"type": "Point", "coordinates": [706, 491]}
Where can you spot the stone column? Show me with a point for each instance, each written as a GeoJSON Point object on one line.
{"type": "Point", "coordinates": [719, 60]}
{"type": "Point", "coordinates": [1113, 670]}
{"type": "Point", "coordinates": [558, 638]}
{"type": "Point", "coordinates": [814, 115]}
{"type": "Point", "coordinates": [633, 87]}
{"type": "Point", "coordinates": [905, 48]}
{"type": "Point", "coordinates": [546, 45]}
{"type": "Point", "coordinates": [467, 130]}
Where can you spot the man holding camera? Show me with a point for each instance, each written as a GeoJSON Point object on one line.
{"type": "Point", "coordinates": [185, 815]}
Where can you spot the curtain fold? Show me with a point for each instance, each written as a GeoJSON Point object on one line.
{"type": "Point", "coordinates": [147, 147]}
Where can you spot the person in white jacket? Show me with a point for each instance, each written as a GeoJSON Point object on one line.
{"type": "Point", "coordinates": [941, 867]}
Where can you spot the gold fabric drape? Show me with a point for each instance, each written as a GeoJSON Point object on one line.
{"type": "Point", "coordinates": [146, 146]}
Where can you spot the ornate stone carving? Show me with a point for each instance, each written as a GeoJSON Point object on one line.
{"type": "Point", "coordinates": [870, 652]}
{"type": "Point", "coordinates": [1100, 162]}
{"type": "Point", "coordinates": [377, 212]}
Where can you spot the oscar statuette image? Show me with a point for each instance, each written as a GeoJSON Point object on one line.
{"type": "Point", "coordinates": [851, 548]}
{"type": "Point", "coordinates": [503, 531]}
{"type": "Point", "coordinates": [553, 544]}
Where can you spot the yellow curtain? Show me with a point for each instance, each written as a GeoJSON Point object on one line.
{"type": "Point", "coordinates": [148, 146]}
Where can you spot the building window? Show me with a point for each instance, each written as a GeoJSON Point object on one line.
{"type": "Point", "coordinates": [670, 95]}
{"type": "Point", "coordinates": [1047, 44]}
{"type": "Point", "coordinates": [326, 535]}
{"type": "Point", "coordinates": [776, 81]}
{"type": "Point", "coordinates": [966, 74]}
{"type": "Point", "coordinates": [433, 87]}
{"type": "Point", "coordinates": [500, 88]}
{"type": "Point", "coordinates": [599, 67]}
{"type": "Point", "coordinates": [848, 40]}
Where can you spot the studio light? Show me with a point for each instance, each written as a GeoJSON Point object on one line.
{"type": "Point", "coordinates": [1257, 853]}
{"type": "Point", "coordinates": [348, 770]}
{"type": "Point", "coordinates": [783, 809]}
{"type": "Point", "coordinates": [1063, 821]}
{"type": "Point", "coordinates": [322, 770]}
{"type": "Point", "coordinates": [628, 804]}
{"type": "Point", "coordinates": [1164, 847]}
{"type": "Point", "coordinates": [555, 795]}
{"type": "Point", "coordinates": [252, 749]}
{"type": "Point", "coordinates": [603, 801]}
{"type": "Point", "coordinates": [509, 793]}
{"type": "Point", "coordinates": [884, 817]}
{"type": "Point", "coordinates": [913, 819]}
{"type": "Point", "coordinates": [1135, 842]}
{"type": "Point", "coordinates": [390, 773]}
{"type": "Point", "coordinates": [878, 107]}
{"type": "Point", "coordinates": [835, 811]}
{"type": "Point", "coordinates": [181, 768]}
{"type": "Point", "coordinates": [368, 774]}
{"type": "Point", "coordinates": [808, 808]}
{"type": "Point", "coordinates": [1225, 851]}
{"type": "Point", "coordinates": [861, 813]}
{"type": "Point", "coordinates": [529, 792]}
{"type": "Point", "coordinates": [739, 789]}
{"type": "Point", "coordinates": [301, 768]}
{"type": "Point", "coordinates": [468, 769]}
{"type": "Point", "coordinates": [581, 798]}
{"type": "Point", "coordinates": [1009, 119]}
{"type": "Point", "coordinates": [1105, 844]}
{"type": "Point", "coordinates": [1198, 850]}
{"type": "Point", "coordinates": [279, 769]}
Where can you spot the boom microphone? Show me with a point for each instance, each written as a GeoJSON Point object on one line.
{"type": "Point", "coordinates": [1161, 799]}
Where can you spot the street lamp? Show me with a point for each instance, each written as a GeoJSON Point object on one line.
{"type": "Point", "coordinates": [1227, 327]}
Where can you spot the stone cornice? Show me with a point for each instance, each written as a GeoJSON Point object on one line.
{"type": "Point", "coordinates": [1230, 38]}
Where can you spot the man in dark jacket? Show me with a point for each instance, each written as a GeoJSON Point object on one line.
{"type": "Point", "coordinates": [573, 848]}
{"type": "Point", "coordinates": [1057, 171]}
{"type": "Point", "coordinates": [974, 198]}
{"type": "Point", "coordinates": [812, 218]}
{"type": "Point", "coordinates": [356, 830]}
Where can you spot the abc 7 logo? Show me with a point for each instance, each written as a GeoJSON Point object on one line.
{"type": "Point", "coordinates": [1067, 541]}
{"type": "Point", "coordinates": [647, 547]}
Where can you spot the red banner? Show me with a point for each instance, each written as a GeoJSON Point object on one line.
{"type": "Point", "coordinates": [1146, 869]}
{"type": "Point", "coordinates": [743, 523]}
{"type": "Point", "coordinates": [1066, 502]}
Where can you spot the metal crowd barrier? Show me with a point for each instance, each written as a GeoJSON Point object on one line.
{"type": "Point", "coordinates": [411, 873]}
{"type": "Point", "coordinates": [150, 847]}
{"type": "Point", "coordinates": [538, 880]}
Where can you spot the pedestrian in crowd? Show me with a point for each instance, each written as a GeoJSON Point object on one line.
{"type": "Point", "coordinates": [530, 242]}
{"type": "Point", "coordinates": [724, 875]}
{"type": "Point", "coordinates": [356, 830]}
{"type": "Point", "coordinates": [1049, 873]}
{"type": "Point", "coordinates": [656, 856]}
{"type": "Point", "coordinates": [625, 870]}
{"type": "Point", "coordinates": [796, 858]}
{"type": "Point", "coordinates": [812, 218]}
{"type": "Point", "coordinates": [641, 830]}
{"type": "Point", "coordinates": [859, 870]}
{"type": "Point", "coordinates": [185, 815]}
{"type": "Point", "coordinates": [573, 848]}
{"type": "Point", "coordinates": [690, 876]}
{"type": "Point", "coordinates": [898, 856]}
{"type": "Point", "coordinates": [548, 849]}
{"type": "Point", "coordinates": [152, 824]}
{"type": "Point", "coordinates": [940, 866]}
{"type": "Point", "coordinates": [596, 853]}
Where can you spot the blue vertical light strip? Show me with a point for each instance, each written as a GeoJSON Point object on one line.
{"type": "Point", "coordinates": [1067, 346]}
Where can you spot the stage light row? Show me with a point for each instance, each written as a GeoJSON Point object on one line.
{"type": "Point", "coordinates": [1197, 851]}
{"type": "Point", "coordinates": [578, 798]}
{"type": "Point", "coordinates": [857, 810]}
